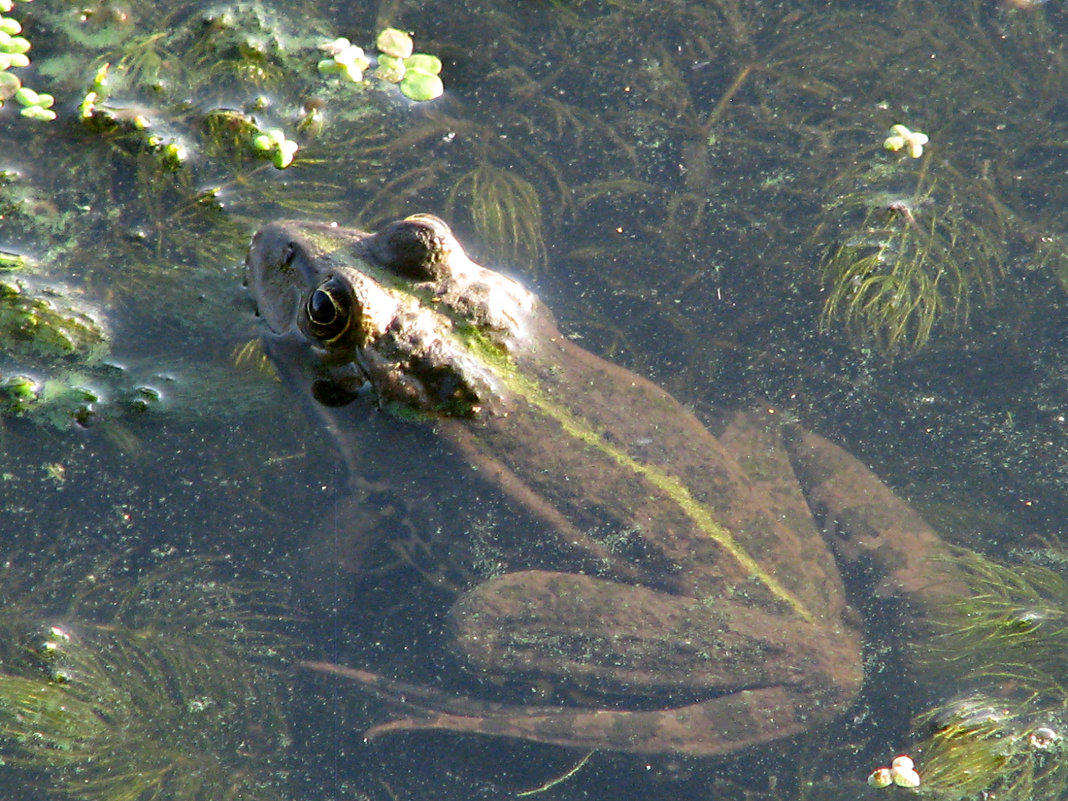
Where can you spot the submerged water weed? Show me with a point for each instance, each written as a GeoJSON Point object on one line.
{"type": "Point", "coordinates": [122, 683]}
{"type": "Point", "coordinates": [1009, 633]}
{"type": "Point", "coordinates": [903, 263]}
{"type": "Point", "coordinates": [505, 211]}
{"type": "Point", "coordinates": [40, 323]}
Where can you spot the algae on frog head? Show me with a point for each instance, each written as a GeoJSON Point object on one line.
{"type": "Point", "coordinates": [118, 677]}
{"type": "Point", "coordinates": [1003, 734]}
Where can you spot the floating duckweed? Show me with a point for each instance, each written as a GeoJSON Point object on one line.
{"type": "Point", "coordinates": [880, 778]}
{"type": "Point", "coordinates": [390, 69]}
{"type": "Point", "coordinates": [424, 62]}
{"type": "Point", "coordinates": [345, 58]}
{"type": "Point", "coordinates": [9, 85]}
{"type": "Point", "coordinates": [903, 772]}
{"type": "Point", "coordinates": [38, 113]}
{"type": "Point", "coordinates": [420, 86]}
{"type": "Point", "coordinates": [8, 60]}
{"type": "Point", "coordinates": [15, 44]}
{"type": "Point", "coordinates": [13, 50]}
{"type": "Point", "coordinates": [417, 73]}
{"type": "Point", "coordinates": [902, 137]}
{"type": "Point", "coordinates": [275, 144]}
{"type": "Point", "coordinates": [394, 43]}
{"type": "Point", "coordinates": [37, 106]}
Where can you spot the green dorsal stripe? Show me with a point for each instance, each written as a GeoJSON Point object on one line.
{"type": "Point", "coordinates": [700, 513]}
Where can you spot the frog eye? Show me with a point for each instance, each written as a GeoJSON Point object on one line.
{"type": "Point", "coordinates": [329, 311]}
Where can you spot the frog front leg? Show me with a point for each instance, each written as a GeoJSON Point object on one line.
{"type": "Point", "coordinates": [683, 675]}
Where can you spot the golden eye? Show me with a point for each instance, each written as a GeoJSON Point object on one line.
{"type": "Point", "coordinates": [329, 311]}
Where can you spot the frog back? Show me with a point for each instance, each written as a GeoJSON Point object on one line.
{"type": "Point", "coordinates": [638, 489]}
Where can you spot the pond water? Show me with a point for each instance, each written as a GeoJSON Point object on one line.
{"type": "Point", "coordinates": [701, 192]}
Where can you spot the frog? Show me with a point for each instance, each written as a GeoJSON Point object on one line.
{"type": "Point", "coordinates": [683, 579]}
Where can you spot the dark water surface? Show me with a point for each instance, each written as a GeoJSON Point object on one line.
{"type": "Point", "coordinates": [673, 178]}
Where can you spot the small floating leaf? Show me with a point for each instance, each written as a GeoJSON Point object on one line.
{"type": "Point", "coordinates": [390, 69]}
{"type": "Point", "coordinates": [9, 84]}
{"type": "Point", "coordinates": [38, 113]}
{"type": "Point", "coordinates": [395, 43]}
{"type": "Point", "coordinates": [420, 86]}
{"type": "Point", "coordinates": [424, 62]}
{"type": "Point", "coordinates": [26, 96]}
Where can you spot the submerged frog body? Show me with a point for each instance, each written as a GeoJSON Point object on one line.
{"type": "Point", "coordinates": [680, 582]}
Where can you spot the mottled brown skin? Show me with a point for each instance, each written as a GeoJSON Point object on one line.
{"type": "Point", "coordinates": [719, 610]}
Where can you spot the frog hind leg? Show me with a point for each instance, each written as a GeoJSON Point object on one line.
{"type": "Point", "coordinates": [707, 728]}
{"type": "Point", "coordinates": [724, 674]}
{"type": "Point", "coordinates": [869, 527]}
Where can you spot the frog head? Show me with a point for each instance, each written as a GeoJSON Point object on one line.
{"type": "Point", "coordinates": [402, 311]}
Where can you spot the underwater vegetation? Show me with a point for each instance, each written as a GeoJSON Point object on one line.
{"type": "Point", "coordinates": [13, 53]}
{"type": "Point", "coordinates": [504, 209]}
{"type": "Point", "coordinates": [911, 251]}
{"type": "Point", "coordinates": [48, 339]}
{"type": "Point", "coordinates": [125, 682]}
{"type": "Point", "coordinates": [190, 109]}
{"type": "Point", "coordinates": [184, 118]}
{"type": "Point", "coordinates": [1004, 734]}
{"type": "Point", "coordinates": [664, 150]}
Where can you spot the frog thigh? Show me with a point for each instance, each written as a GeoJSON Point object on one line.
{"type": "Point", "coordinates": [764, 675]}
{"type": "Point", "coordinates": [726, 675]}
{"type": "Point", "coordinates": [611, 638]}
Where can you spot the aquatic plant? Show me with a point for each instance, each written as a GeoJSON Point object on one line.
{"type": "Point", "coordinates": [505, 211]}
{"type": "Point", "coordinates": [123, 682]}
{"type": "Point", "coordinates": [416, 73]}
{"type": "Point", "coordinates": [1005, 736]}
{"type": "Point", "coordinates": [903, 262]}
{"type": "Point", "coordinates": [42, 323]}
{"type": "Point", "coordinates": [13, 54]}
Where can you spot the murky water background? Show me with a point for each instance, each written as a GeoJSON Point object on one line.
{"type": "Point", "coordinates": [668, 175]}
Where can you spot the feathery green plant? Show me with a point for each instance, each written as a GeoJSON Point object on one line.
{"type": "Point", "coordinates": [120, 683]}
{"type": "Point", "coordinates": [1007, 639]}
{"type": "Point", "coordinates": [904, 263]}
